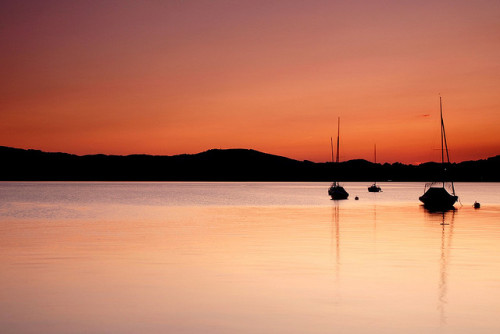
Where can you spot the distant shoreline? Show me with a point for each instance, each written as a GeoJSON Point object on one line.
{"type": "Point", "coordinates": [225, 165]}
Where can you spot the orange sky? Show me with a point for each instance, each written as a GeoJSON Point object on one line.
{"type": "Point", "coordinates": [171, 77]}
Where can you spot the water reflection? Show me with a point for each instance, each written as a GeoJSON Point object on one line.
{"type": "Point", "coordinates": [336, 239]}
{"type": "Point", "coordinates": [446, 220]}
{"type": "Point", "coordinates": [380, 264]}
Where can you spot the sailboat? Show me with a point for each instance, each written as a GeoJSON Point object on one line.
{"type": "Point", "coordinates": [436, 195]}
{"type": "Point", "coordinates": [336, 191]}
{"type": "Point", "coordinates": [374, 188]}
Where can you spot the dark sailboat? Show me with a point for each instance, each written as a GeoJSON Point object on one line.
{"type": "Point", "coordinates": [374, 188]}
{"type": "Point", "coordinates": [336, 191]}
{"type": "Point", "coordinates": [437, 194]}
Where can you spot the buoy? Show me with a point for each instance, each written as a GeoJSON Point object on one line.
{"type": "Point", "coordinates": [356, 198]}
{"type": "Point", "coordinates": [477, 205]}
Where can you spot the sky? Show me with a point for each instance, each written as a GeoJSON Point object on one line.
{"type": "Point", "coordinates": [172, 77]}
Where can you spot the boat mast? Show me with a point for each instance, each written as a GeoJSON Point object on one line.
{"type": "Point", "coordinates": [442, 151]}
{"type": "Point", "coordinates": [444, 137]}
{"type": "Point", "coordinates": [331, 143]}
{"type": "Point", "coordinates": [443, 141]}
{"type": "Point", "coordinates": [338, 136]}
{"type": "Point", "coordinates": [375, 155]}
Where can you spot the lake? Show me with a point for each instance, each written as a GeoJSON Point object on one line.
{"type": "Point", "coordinates": [187, 257]}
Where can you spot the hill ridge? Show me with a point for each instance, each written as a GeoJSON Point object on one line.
{"type": "Point", "coordinates": [233, 164]}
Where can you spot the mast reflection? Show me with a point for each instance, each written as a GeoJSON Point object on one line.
{"type": "Point", "coordinates": [446, 221]}
{"type": "Point", "coordinates": [336, 239]}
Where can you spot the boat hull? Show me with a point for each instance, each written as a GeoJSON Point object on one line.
{"type": "Point", "coordinates": [374, 189]}
{"type": "Point", "coordinates": [338, 192]}
{"type": "Point", "coordinates": [438, 198]}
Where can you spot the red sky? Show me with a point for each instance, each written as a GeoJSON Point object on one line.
{"type": "Point", "coordinates": [171, 77]}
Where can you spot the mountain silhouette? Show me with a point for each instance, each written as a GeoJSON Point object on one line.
{"type": "Point", "coordinates": [222, 165]}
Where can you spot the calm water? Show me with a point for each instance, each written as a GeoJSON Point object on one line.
{"type": "Point", "coordinates": [246, 258]}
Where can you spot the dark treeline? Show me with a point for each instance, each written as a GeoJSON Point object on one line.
{"type": "Point", "coordinates": [223, 165]}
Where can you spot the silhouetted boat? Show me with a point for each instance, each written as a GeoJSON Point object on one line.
{"type": "Point", "coordinates": [336, 191]}
{"type": "Point", "coordinates": [374, 188]}
{"type": "Point", "coordinates": [436, 195]}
